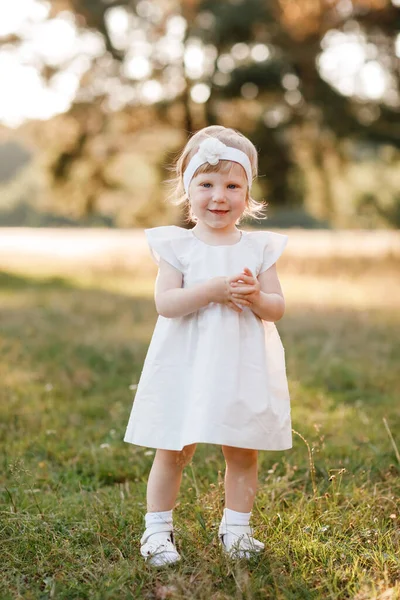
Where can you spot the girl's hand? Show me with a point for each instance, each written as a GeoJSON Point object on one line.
{"type": "Point", "coordinates": [220, 291]}
{"type": "Point", "coordinates": [248, 292]}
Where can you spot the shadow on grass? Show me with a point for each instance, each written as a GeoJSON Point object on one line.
{"type": "Point", "coordinates": [11, 281]}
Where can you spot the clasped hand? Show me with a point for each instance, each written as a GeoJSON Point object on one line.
{"type": "Point", "coordinates": [236, 291]}
{"type": "Point", "coordinates": [245, 288]}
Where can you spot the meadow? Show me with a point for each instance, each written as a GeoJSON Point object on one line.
{"type": "Point", "coordinates": [73, 493]}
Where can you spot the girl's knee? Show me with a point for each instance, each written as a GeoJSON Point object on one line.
{"type": "Point", "coordinates": [177, 458]}
{"type": "Point", "coordinates": [240, 457]}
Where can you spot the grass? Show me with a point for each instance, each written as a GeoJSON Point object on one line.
{"type": "Point", "coordinates": [73, 493]}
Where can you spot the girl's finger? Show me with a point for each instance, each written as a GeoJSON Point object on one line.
{"type": "Point", "coordinates": [236, 278]}
{"type": "Point", "coordinates": [243, 302]}
{"type": "Point", "coordinates": [246, 279]}
{"type": "Point", "coordinates": [246, 272]}
{"type": "Point", "coordinates": [243, 291]}
{"type": "Point", "coordinates": [235, 307]}
{"type": "Point", "coordinates": [241, 275]}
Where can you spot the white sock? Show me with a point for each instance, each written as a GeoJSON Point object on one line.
{"type": "Point", "coordinates": [157, 518]}
{"type": "Point", "coordinates": [169, 554]}
{"type": "Point", "coordinates": [232, 517]}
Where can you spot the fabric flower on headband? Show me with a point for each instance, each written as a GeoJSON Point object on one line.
{"type": "Point", "coordinates": [210, 150]}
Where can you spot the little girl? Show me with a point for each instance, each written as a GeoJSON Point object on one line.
{"type": "Point", "coordinates": [215, 368]}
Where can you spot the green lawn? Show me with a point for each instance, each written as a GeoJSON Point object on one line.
{"type": "Point", "coordinates": [73, 493]}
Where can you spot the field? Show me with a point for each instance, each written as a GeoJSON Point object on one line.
{"type": "Point", "coordinates": [73, 336]}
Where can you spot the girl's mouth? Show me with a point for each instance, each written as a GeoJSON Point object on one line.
{"type": "Point", "coordinates": [219, 212]}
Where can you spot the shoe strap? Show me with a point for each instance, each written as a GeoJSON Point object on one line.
{"type": "Point", "coordinates": [235, 529]}
{"type": "Point", "coordinates": [245, 540]}
{"type": "Point", "coordinates": [156, 528]}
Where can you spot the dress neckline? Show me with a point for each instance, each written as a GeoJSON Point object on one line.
{"type": "Point", "coordinates": [219, 245]}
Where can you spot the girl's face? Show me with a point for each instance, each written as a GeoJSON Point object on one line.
{"type": "Point", "coordinates": [219, 199]}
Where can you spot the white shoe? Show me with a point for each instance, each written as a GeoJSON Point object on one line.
{"type": "Point", "coordinates": [238, 542]}
{"type": "Point", "coordinates": [158, 546]}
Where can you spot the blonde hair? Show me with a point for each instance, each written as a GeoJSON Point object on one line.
{"type": "Point", "coordinates": [228, 136]}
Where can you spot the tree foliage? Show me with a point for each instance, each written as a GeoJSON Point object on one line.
{"type": "Point", "coordinates": [261, 64]}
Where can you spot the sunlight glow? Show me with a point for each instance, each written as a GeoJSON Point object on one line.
{"type": "Point", "coordinates": [194, 59]}
{"type": "Point", "coordinates": [221, 79]}
{"type": "Point", "coordinates": [372, 80]}
{"type": "Point", "coordinates": [249, 90]}
{"type": "Point", "coordinates": [119, 23]}
{"type": "Point", "coordinates": [225, 63]}
{"type": "Point", "coordinates": [176, 27]}
{"type": "Point", "coordinates": [42, 101]}
{"type": "Point", "coordinates": [149, 10]}
{"type": "Point", "coordinates": [151, 92]}
{"type": "Point", "coordinates": [53, 42]}
{"type": "Point", "coordinates": [168, 51]}
{"type": "Point", "coordinates": [290, 81]}
{"type": "Point", "coordinates": [350, 64]}
{"type": "Point", "coordinates": [173, 81]}
{"type": "Point", "coordinates": [397, 45]}
{"type": "Point", "coordinates": [276, 116]}
{"type": "Point", "coordinates": [200, 93]}
{"type": "Point", "coordinates": [240, 51]}
{"type": "Point", "coordinates": [260, 52]}
{"type": "Point", "coordinates": [15, 15]}
{"type": "Point", "coordinates": [136, 67]}
{"type": "Point", "coordinates": [293, 97]}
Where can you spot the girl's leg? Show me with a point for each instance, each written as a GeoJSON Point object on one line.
{"type": "Point", "coordinates": [165, 477]}
{"type": "Point", "coordinates": [241, 477]}
{"type": "Point", "coordinates": [240, 489]}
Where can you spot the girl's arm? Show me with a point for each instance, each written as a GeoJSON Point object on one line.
{"type": "Point", "coordinates": [263, 294]}
{"type": "Point", "coordinates": [172, 300]}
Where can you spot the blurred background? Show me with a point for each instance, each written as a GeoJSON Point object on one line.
{"type": "Point", "coordinates": [98, 97]}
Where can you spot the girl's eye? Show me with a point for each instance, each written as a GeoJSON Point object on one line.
{"type": "Point", "coordinates": [207, 185]}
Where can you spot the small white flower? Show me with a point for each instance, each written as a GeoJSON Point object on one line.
{"type": "Point", "coordinates": [210, 150]}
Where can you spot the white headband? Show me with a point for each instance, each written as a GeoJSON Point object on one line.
{"type": "Point", "coordinates": [212, 150]}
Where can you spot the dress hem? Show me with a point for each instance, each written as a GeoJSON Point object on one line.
{"type": "Point", "coordinates": [269, 449]}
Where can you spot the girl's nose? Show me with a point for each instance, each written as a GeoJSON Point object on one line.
{"type": "Point", "coordinates": [219, 194]}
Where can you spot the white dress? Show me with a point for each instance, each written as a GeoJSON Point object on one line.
{"type": "Point", "coordinates": [214, 376]}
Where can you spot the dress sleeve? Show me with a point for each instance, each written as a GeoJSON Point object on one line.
{"type": "Point", "coordinates": [160, 241]}
{"type": "Point", "coordinates": [273, 244]}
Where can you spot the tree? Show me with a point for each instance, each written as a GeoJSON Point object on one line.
{"type": "Point", "coordinates": [259, 65]}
